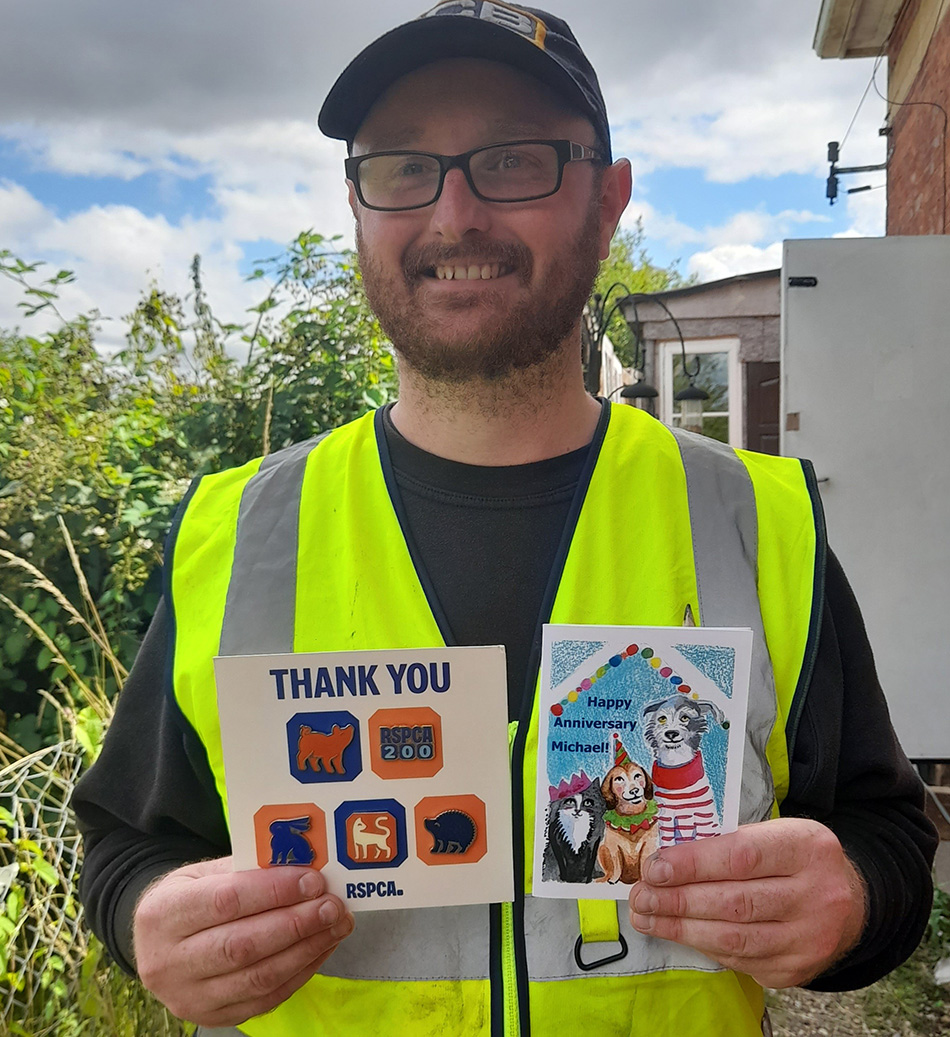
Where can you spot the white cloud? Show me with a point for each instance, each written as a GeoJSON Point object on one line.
{"type": "Point", "coordinates": [228, 93]}
{"type": "Point", "coordinates": [729, 260]}
{"type": "Point", "coordinates": [117, 253]}
{"type": "Point", "coordinates": [268, 181]}
{"type": "Point", "coordinates": [749, 240]}
{"type": "Point", "coordinates": [20, 212]}
{"type": "Point", "coordinates": [866, 212]}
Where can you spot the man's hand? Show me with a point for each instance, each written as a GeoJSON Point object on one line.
{"type": "Point", "coordinates": [778, 900]}
{"type": "Point", "coordinates": [217, 947]}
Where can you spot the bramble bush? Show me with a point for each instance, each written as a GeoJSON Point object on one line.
{"type": "Point", "coordinates": [96, 449]}
{"type": "Point", "coordinates": [107, 444]}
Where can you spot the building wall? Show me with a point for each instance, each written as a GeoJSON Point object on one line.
{"type": "Point", "coordinates": [919, 77]}
{"type": "Point", "coordinates": [747, 309]}
{"type": "Point", "coordinates": [744, 308]}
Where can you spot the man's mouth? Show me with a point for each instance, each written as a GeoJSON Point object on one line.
{"type": "Point", "coordinates": [469, 272]}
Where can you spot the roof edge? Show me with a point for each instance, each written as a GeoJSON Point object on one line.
{"type": "Point", "coordinates": [695, 289]}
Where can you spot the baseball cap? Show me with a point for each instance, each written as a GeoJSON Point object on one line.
{"type": "Point", "coordinates": [527, 38]}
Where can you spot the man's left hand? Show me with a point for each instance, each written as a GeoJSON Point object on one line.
{"type": "Point", "coordinates": [778, 900]}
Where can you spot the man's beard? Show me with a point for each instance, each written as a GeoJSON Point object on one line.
{"type": "Point", "coordinates": [510, 338]}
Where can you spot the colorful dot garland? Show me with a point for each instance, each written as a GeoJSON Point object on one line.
{"type": "Point", "coordinates": [630, 652]}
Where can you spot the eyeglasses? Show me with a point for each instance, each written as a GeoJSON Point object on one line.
{"type": "Point", "coordinates": [516, 171]}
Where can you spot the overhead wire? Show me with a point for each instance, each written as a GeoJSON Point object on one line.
{"type": "Point", "coordinates": [877, 62]}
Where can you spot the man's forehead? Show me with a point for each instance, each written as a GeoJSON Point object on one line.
{"type": "Point", "coordinates": [506, 104]}
{"type": "Point", "coordinates": [399, 137]}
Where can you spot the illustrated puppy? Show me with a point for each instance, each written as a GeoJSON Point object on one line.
{"type": "Point", "coordinates": [630, 833]}
{"type": "Point", "coordinates": [674, 730]}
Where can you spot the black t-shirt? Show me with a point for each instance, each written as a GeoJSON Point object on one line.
{"type": "Point", "coordinates": [487, 538]}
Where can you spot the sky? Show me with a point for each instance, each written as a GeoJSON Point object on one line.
{"type": "Point", "coordinates": [134, 135]}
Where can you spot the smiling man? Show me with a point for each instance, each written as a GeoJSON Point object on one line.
{"type": "Point", "coordinates": [493, 497]}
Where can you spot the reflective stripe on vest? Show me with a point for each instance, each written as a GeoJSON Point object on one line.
{"type": "Point", "coordinates": [314, 559]}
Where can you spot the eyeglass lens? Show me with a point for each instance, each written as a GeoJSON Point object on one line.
{"type": "Point", "coordinates": [505, 173]}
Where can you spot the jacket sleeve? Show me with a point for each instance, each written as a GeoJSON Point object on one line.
{"type": "Point", "coordinates": [848, 771]}
{"type": "Point", "coordinates": [149, 804]}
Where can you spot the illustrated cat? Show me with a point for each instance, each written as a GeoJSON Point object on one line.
{"type": "Point", "coordinates": [575, 827]}
{"type": "Point", "coordinates": [319, 749]}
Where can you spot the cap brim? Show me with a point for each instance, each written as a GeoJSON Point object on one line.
{"type": "Point", "coordinates": [422, 42]}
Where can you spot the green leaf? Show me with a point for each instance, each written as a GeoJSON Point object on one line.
{"type": "Point", "coordinates": [45, 870]}
{"type": "Point", "coordinates": [44, 658]}
{"type": "Point", "coordinates": [15, 901]}
{"type": "Point", "coordinates": [89, 732]}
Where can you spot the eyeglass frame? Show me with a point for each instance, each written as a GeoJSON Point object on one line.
{"type": "Point", "coordinates": [566, 150]}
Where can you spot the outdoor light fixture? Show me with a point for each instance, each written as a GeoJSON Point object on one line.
{"type": "Point", "coordinates": [639, 390]}
{"type": "Point", "coordinates": [692, 397]}
{"type": "Point", "coordinates": [598, 316]}
{"type": "Point", "coordinates": [595, 326]}
{"type": "Point", "coordinates": [691, 411]}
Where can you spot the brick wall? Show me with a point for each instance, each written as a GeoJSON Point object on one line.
{"type": "Point", "coordinates": [917, 175]}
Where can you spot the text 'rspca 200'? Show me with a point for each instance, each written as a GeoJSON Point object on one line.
{"type": "Point", "coordinates": [339, 681]}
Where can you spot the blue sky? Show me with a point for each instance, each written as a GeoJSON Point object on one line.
{"type": "Point", "coordinates": [131, 139]}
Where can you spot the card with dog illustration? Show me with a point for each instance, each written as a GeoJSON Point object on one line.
{"type": "Point", "coordinates": [640, 746]}
{"type": "Point", "coordinates": [387, 771]}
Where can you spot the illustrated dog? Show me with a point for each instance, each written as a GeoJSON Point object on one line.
{"type": "Point", "coordinates": [674, 730]}
{"type": "Point", "coordinates": [630, 833]}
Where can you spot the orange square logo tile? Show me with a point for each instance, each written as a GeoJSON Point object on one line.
{"type": "Point", "coordinates": [450, 830]}
{"type": "Point", "coordinates": [291, 834]}
{"type": "Point", "coordinates": [406, 743]}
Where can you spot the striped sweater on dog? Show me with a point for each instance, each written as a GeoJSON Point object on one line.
{"type": "Point", "coordinates": [687, 809]}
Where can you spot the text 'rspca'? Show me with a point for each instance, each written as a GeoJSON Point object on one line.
{"type": "Point", "coordinates": [338, 681]}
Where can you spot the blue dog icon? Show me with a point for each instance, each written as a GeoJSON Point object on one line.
{"type": "Point", "coordinates": [287, 842]}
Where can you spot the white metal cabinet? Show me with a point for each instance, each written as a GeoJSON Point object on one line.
{"type": "Point", "coordinates": [866, 396]}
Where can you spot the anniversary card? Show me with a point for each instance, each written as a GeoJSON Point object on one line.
{"type": "Point", "coordinates": [640, 746]}
{"type": "Point", "coordinates": [386, 770]}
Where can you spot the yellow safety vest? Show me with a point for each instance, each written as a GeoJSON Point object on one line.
{"type": "Point", "coordinates": [305, 552]}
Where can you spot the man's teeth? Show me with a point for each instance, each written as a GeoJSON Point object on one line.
{"type": "Point", "coordinates": [482, 272]}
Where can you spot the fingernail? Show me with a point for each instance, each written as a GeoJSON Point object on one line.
{"type": "Point", "coordinates": [309, 885]}
{"type": "Point", "coordinates": [646, 902]}
{"type": "Point", "coordinates": [329, 912]}
{"type": "Point", "coordinates": [659, 871]}
{"type": "Point", "coordinates": [642, 923]}
{"type": "Point", "coordinates": [342, 929]}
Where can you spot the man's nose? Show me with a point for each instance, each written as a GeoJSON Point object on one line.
{"type": "Point", "coordinates": [458, 211]}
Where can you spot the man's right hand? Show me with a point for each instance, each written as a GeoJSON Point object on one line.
{"type": "Point", "coordinates": [218, 947]}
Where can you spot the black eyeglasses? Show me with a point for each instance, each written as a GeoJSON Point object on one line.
{"type": "Point", "coordinates": [515, 171]}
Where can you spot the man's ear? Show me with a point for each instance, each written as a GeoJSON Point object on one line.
{"type": "Point", "coordinates": [615, 189]}
{"type": "Point", "coordinates": [351, 198]}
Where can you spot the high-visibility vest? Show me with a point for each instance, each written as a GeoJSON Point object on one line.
{"type": "Point", "coordinates": [304, 551]}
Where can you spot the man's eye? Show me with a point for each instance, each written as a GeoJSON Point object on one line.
{"type": "Point", "coordinates": [409, 169]}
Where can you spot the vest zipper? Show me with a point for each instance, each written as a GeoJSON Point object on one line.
{"type": "Point", "coordinates": [509, 968]}
{"type": "Point", "coordinates": [509, 972]}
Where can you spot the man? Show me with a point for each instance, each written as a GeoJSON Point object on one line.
{"type": "Point", "coordinates": [491, 498]}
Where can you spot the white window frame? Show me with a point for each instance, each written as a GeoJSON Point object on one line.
{"type": "Point", "coordinates": [669, 354]}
